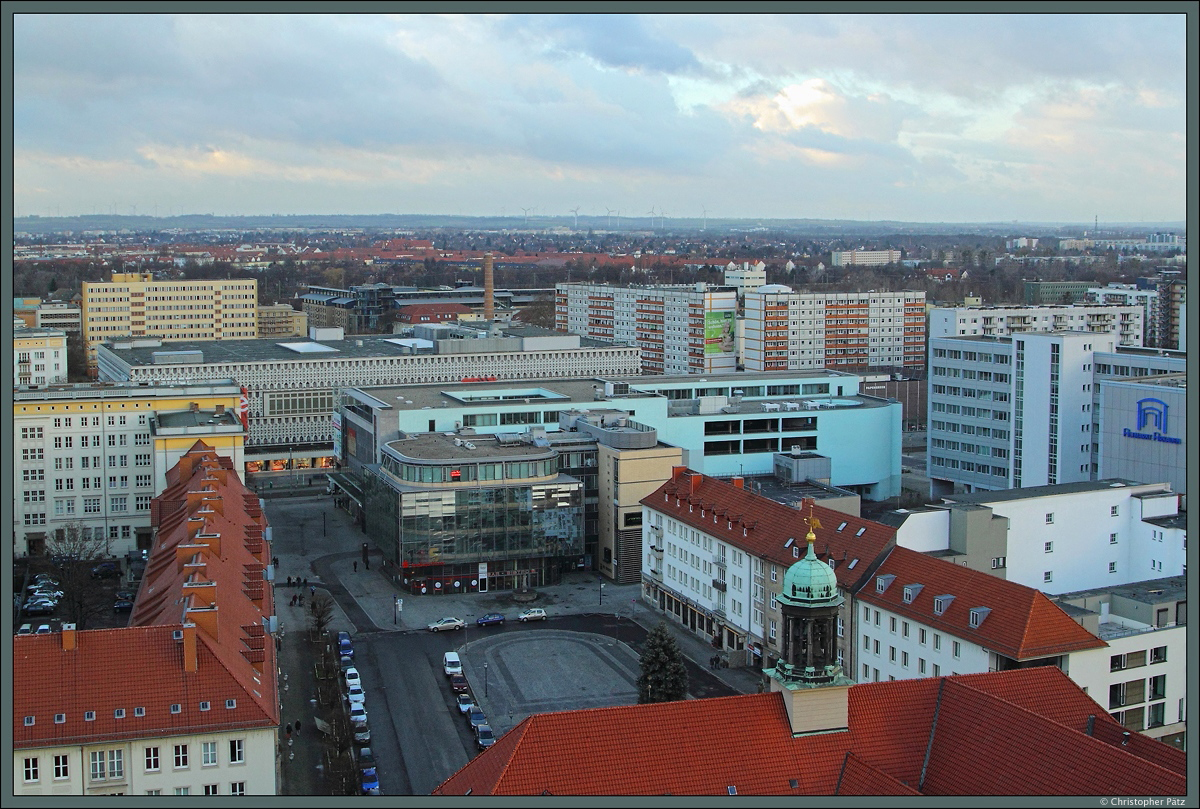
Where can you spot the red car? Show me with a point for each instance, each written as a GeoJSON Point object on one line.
{"type": "Point", "coordinates": [458, 682]}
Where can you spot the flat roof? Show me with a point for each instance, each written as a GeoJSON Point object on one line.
{"type": "Point", "coordinates": [1148, 591]}
{"type": "Point", "coordinates": [442, 447]}
{"type": "Point", "coordinates": [1041, 491]}
{"type": "Point", "coordinates": [196, 418]}
{"type": "Point", "coordinates": [268, 349]}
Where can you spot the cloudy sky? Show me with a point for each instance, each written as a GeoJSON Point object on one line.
{"type": "Point", "coordinates": [920, 118]}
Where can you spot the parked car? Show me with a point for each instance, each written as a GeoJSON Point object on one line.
{"type": "Point", "coordinates": [465, 701]}
{"type": "Point", "coordinates": [355, 695]}
{"type": "Point", "coordinates": [491, 619]}
{"type": "Point", "coordinates": [475, 717]}
{"type": "Point", "coordinates": [43, 629]}
{"type": "Point", "coordinates": [26, 629]}
{"type": "Point", "coordinates": [352, 677]}
{"type": "Point", "coordinates": [362, 735]}
{"type": "Point", "coordinates": [484, 737]}
{"type": "Point", "coordinates": [358, 714]}
{"type": "Point", "coordinates": [39, 607]}
{"type": "Point", "coordinates": [124, 595]}
{"type": "Point", "coordinates": [370, 784]}
{"type": "Point", "coordinates": [122, 606]}
{"type": "Point", "coordinates": [345, 645]}
{"type": "Point", "coordinates": [447, 623]}
{"type": "Point", "coordinates": [346, 663]}
{"type": "Point", "coordinates": [451, 664]}
{"type": "Point", "coordinates": [366, 761]}
{"type": "Point", "coordinates": [458, 683]}
{"type": "Point", "coordinates": [532, 614]}
{"type": "Point", "coordinates": [107, 570]}
{"type": "Point", "coordinates": [46, 578]}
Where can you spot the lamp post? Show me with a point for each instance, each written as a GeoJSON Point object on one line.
{"type": "Point", "coordinates": [485, 679]}
{"type": "Point", "coordinates": [601, 592]}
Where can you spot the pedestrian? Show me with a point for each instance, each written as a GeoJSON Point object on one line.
{"type": "Point", "coordinates": [368, 563]}
{"type": "Point", "coordinates": [312, 589]}
{"type": "Point", "coordinates": [356, 567]}
{"type": "Point", "coordinates": [306, 581]}
{"type": "Point", "coordinates": [293, 599]}
{"type": "Point", "coordinates": [289, 584]}
{"type": "Point", "coordinates": [297, 727]}
{"type": "Point", "coordinates": [302, 600]}
{"type": "Point", "coordinates": [275, 561]}
{"type": "Point", "coordinates": [288, 730]}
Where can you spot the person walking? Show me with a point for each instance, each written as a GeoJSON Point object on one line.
{"type": "Point", "coordinates": [297, 727]}
{"type": "Point", "coordinates": [289, 584]}
{"type": "Point", "coordinates": [356, 567]}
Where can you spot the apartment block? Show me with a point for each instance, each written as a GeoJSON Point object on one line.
{"type": "Point", "coordinates": [39, 356]}
{"type": "Point", "coordinates": [1124, 323]}
{"type": "Point", "coordinates": [865, 258]}
{"type": "Point", "coordinates": [787, 330]}
{"type": "Point", "coordinates": [135, 305]}
{"type": "Point", "coordinates": [281, 320]}
{"type": "Point", "coordinates": [680, 328]}
{"type": "Point", "coordinates": [96, 455]}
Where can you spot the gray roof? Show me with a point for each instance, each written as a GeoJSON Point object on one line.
{"type": "Point", "coordinates": [1001, 495]}
{"type": "Point", "coordinates": [1149, 591]}
{"type": "Point", "coordinates": [440, 447]}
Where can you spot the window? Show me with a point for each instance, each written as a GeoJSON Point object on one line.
{"type": "Point", "coordinates": [237, 751]}
{"type": "Point", "coordinates": [31, 769]}
{"type": "Point", "coordinates": [183, 790]}
{"type": "Point", "coordinates": [1049, 547]}
{"type": "Point", "coordinates": [892, 624]}
{"type": "Point", "coordinates": [1112, 567]}
{"type": "Point", "coordinates": [866, 643]}
{"type": "Point", "coordinates": [1158, 687]}
{"type": "Point", "coordinates": [153, 791]}
{"type": "Point", "coordinates": [152, 764]}
{"type": "Point", "coordinates": [108, 764]}
{"type": "Point", "coordinates": [181, 756]}
{"type": "Point", "coordinates": [1112, 539]}
{"type": "Point", "coordinates": [937, 642]}
{"type": "Point", "coordinates": [957, 649]}
{"type": "Point", "coordinates": [921, 665]}
{"type": "Point", "coordinates": [921, 635]}
{"type": "Point", "coordinates": [1158, 654]}
{"type": "Point", "coordinates": [1114, 511]}
{"type": "Point", "coordinates": [892, 653]}
{"type": "Point", "coordinates": [941, 604]}
{"type": "Point", "coordinates": [1048, 576]}
{"type": "Point", "coordinates": [904, 659]}
{"type": "Point", "coordinates": [208, 754]}
{"type": "Point", "coordinates": [210, 789]}
{"type": "Point", "coordinates": [1050, 519]}
{"type": "Point", "coordinates": [866, 672]}
{"type": "Point", "coordinates": [937, 670]}
{"type": "Point", "coordinates": [237, 788]}
{"type": "Point", "coordinates": [876, 647]}
{"type": "Point", "coordinates": [62, 767]}
{"type": "Point", "coordinates": [904, 629]}
{"type": "Point", "coordinates": [1116, 662]}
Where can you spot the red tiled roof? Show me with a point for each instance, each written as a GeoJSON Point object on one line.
{"type": "Point", "coordinates": [762, 526]}
{"type": "Point", "coordinates": [204, 580]}
{"type": "Point", "coordinates": [1023, 623]}
{"type": "Point", "coordinates": [1016, 732]}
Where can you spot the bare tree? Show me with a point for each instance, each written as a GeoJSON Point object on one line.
{"type": "Point", "coordinates": [74, 550]}
{"type": "Point", "coordinates": [320, 614]}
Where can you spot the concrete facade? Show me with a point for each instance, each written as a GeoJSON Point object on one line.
{"type": "Point", "coordinates": [1124, 323]}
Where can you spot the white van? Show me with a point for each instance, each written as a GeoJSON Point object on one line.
{"type": "Point", "coordinates": [451, 664]}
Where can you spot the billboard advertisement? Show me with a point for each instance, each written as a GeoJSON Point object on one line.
{"type": "Point", "coordinates": [719, 333]}
{"type": "Point", "coordinates": [337, 436]}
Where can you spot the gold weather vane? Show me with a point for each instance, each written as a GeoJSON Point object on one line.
{"type": "Point", "coordinates": [813, 524]}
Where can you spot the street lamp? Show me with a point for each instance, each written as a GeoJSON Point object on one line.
{"type": "Point", "coordinates": [485, 679]}
{"type": "Point", "coordinates": [602, 591]}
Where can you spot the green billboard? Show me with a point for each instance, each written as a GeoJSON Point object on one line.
{"type": "Point", "coordinates": [719, 333]}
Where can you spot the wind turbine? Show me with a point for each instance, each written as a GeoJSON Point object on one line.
{"type": "Point", "coordinates": [662, 220]}
{"type": "Point", "coordinates": [651, 213]}
{"type": "Point", "coordinates": [705, 225]}
{"type": "Point", "coordinates": [525, 211]}
{"type": "Point", "coordinates": [575, 211]}
{"type": "Point", "coordinates": [608, 212]}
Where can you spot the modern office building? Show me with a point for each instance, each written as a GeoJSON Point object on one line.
{"type": "Point", "coordinates": [1124, 323]}
{"type": "Point", "coordinates": [39, 356]}
{"type": "Point", "coordinates": [486, 513]}
{"type": "Point", "coordinates": [680, 328]}
{"type": "Point", "coordinates": [135, 305]}
{"type": "Point", "coordinates": [1047, 293]}
{"type": "Point", "coordinates": [184, 700]}
{"type": "Point", "coordinates": [1006, 412]}
{"type": "Point", "coordinates": [1142, 428]}
{"type": "Point", "coordinates": [724, 427]}
{"type": "Point", "coordinates": [800, 331]}
{"type": "Point", "coordinates": [96, 455]}
{"type": "Point", "coordinates": [865, 258]}
{"type": "Point", "coordinates": [59, 315]}
{"type": "Point", "coordinates": [292, 385]}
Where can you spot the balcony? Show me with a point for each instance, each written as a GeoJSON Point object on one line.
{"type": "Point", "coordinates": [719, 585]}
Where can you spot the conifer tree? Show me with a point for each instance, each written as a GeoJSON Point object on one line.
{"type": "Point", "coordinates": [664, 676]}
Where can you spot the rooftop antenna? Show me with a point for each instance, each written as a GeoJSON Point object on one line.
{"type": "Point", "coordinates": [575, 211]}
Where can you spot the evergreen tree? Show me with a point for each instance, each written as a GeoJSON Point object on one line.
{"type": "Point", "coordinates": [664, 677]}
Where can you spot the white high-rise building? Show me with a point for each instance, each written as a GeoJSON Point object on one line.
{"type": "Point", "coordinates": [865, 258]}
{"type": "Point", "coordinates": [787, 330]}
{"type": "Point", "coordinates": [680, 328]}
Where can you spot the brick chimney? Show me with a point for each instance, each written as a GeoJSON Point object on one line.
{"type": "Point", "coordinates": [694, 484]}
{"type": "Point", "coordinates": [68, 637]}
{"type": "Point", "coordinates": [739, 483]}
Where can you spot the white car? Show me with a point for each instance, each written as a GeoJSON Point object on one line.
{"type": "Point", "coordinates": [355, 695]}
{"type": "Point", "coordinates": [352, 678]}
{"type": "Point", "coordinates": [447, 623]}
{"type": "Point", "coordinates": [358, 714]}
{"type": "Point", "coordinates": [533, 614]}
{"type": "Point", "coordinates": [465, 702]}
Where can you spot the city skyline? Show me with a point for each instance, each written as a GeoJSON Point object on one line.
{"type": "Point", "coordinates": [951, 118]}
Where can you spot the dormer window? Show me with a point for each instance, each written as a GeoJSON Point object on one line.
{"type": "Point", "coordinates": [119, 713]}
{"type": "Point", "coordinates": [206, 705]}
{"type": "Point", "coordinates": [60, 719]}
{"type": "Point", "coordinates": [882, 582]}
{"type": "Point", "coordinates": [89, 716]}
{"type": "Point", "coordinates": [911, 591]}
{"type": "Point", "coordinates": [29, 720]}
{"type": "Point", "coordinates": [176, 708]}
{"type": "Point", "coordinates": [941, 604]}
{"type": "Point", "coordinates": [795, 552]}
{"type": "Point", "coordinates": [230, 704]}
{"type": "Point", "coordinates": [978, 614]}
{"type": "Point", "coordinates": [139, 711]}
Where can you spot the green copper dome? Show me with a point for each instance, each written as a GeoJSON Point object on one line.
{"type": "Point", "coordinates": [810, 582]}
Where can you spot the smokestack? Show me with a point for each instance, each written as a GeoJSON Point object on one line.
{"type": "Point", "coordinates": [489, 290]}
